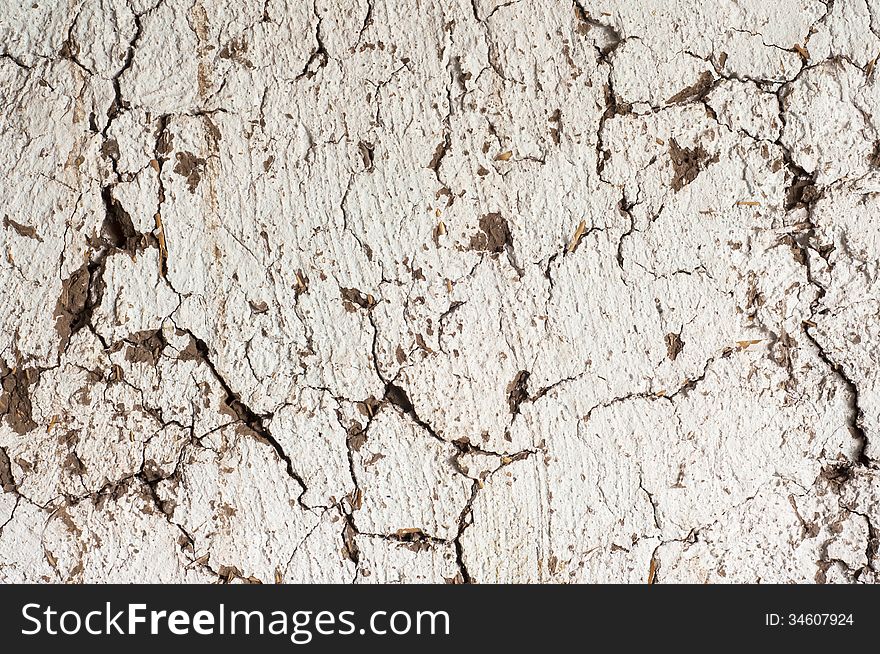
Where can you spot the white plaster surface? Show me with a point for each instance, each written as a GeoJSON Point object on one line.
{"type": "Point", "coordinates": [440, 291]}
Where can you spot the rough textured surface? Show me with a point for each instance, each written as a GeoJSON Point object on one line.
{"type": "Point", "coordinates": [440, 291]}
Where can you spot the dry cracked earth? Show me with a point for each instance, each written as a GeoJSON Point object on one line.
{"type": "Point", "coordinates": [440, 291]}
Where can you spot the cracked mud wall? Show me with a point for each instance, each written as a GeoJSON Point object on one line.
{"type": "Point", "coordinates": [439, 291]}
